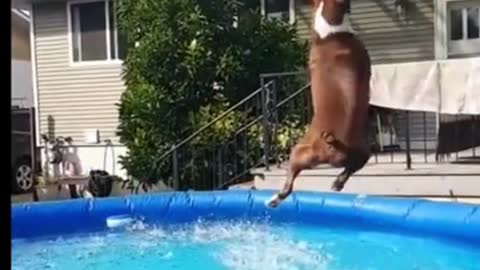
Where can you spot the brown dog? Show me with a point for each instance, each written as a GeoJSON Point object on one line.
{"type": "Point", "coordinates": [340, 73]}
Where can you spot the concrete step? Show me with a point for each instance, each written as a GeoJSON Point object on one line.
{"type": "Point", "coordinates": [442, 186]}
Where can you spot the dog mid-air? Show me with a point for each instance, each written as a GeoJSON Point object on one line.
{"type": "Point", "coordinates": [339, 67]}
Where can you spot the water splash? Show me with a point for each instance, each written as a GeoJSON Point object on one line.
{"type": "Point", "coordinates": [237, 245]}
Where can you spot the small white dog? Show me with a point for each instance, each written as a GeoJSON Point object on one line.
{"type": "Point", "coordinates": [66, 163]}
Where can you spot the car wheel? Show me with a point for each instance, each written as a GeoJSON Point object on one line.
{"type": "Point", "coordinates": [22, 175]}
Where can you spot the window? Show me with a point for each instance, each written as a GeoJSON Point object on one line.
{"type": "Point", "coordinates": [279, 9]}
{"type": "Point", "coordinates": [463, 28]}
{"type": "Point", "coordinates": [94, 35]}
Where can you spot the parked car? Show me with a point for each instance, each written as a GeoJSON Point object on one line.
{"type": "Point", "coordinates": [22, 176]}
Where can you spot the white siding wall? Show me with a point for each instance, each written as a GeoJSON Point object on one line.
{"type": "Point", "coordinates": [21, 76]}
{"type": "Point", "coordinates": [76, 98]}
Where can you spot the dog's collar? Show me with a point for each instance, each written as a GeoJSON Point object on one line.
{"type": "Point", "coordinates": [324, 29]}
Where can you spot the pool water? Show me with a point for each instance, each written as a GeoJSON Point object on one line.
{"type": "Point", "coordinates": [241, 246]}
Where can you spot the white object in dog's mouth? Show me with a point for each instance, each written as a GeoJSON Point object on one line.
{"type": "Point", "coordinates": [323, 28]}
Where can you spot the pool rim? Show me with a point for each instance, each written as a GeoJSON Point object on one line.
{"type": "Point", "coordinates": [442, 219]}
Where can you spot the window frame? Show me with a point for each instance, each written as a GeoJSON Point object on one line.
{"type": "Point", "coordinates": [463, 46]}
{"type": "Point", "coordinates": [109, 60]}
{"type": "Point", "coordinates": [291, 10]}
{"type": "Point", "coordinates": [442, 31]}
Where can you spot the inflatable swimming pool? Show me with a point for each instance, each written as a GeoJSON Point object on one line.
{"type": "Point", "coordinates": [185, 230]}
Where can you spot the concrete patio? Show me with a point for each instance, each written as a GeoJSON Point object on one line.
{"type": "Point", "coordinates": [387, 175]}
{"type": "Point", "coordinates": [386, 179]}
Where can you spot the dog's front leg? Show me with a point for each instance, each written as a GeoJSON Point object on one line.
{"type": "Point", "coordinates": [303, 156]}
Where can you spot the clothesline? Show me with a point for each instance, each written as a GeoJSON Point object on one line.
{"type": "Point", "coordinates": [448, 86]}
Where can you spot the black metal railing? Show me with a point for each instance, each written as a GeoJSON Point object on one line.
{"type": "Point", "coordinates": [458, 135]}
{"type": "Point", "coordinates": [398, 136]}
{"type": "Point", "coordinates": [287, 112]}
{"type": "Point", "coordinates": [395, 136]}
{"type": "Point", "coordinates": [276, 115]}
{"type": "Point", "coordinates": [211, 165]}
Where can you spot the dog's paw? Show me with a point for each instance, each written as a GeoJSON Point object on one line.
{"type": "Point", "coordinates": [338, 186]}
{"type": "Point", "coordinates": [273, 202]}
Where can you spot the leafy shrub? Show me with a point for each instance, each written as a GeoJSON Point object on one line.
{"type": "Point", "coordinates": [187, 63]}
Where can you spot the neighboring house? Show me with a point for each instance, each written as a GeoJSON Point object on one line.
{"type": "Point", "coordinates": [77, 57]}
{"type": "Point", "coordinates": [21, 88]}
{"type": "Point", "coordinates": [402, 31]}
{"type": "Point", "coordinates": [21, 103]}
{"type": "Point", "coordinates": [77, 77]}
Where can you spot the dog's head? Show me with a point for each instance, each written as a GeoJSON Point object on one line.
{"type": "Point", "coordinates": [55, 154]}
{"type": "Point", "coordinates": [329, 17]}
{"type": "Point", "coordinates": [56, 148]}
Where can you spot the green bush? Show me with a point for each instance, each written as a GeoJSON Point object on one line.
{"type": "Point", "coordinates": [186, 64]}
{"type": "Point", "coordinates": [220, 131]}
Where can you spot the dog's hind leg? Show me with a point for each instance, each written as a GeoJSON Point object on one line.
{"type": "Point", "coordinates": [303, 156]}
{"type": "Point", "coordinates": [332, 144]}
{"type": "Point", "coordinates": [342, 178]}
{"type": "Point", "coordinates": [356, 160]}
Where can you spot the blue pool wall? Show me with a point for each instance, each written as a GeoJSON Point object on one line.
{"type": "Point", "coordinates": [452, 220]}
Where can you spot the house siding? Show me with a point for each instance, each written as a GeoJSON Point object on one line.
{"type": "Point", "coordinates": [21, 69]}
{"type": "Point", "coordinates": [390, 39]}
{"type": "Point", "coordinates": [77, 97]}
